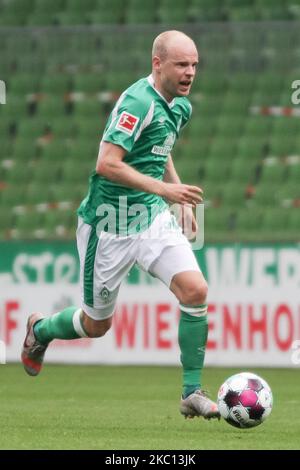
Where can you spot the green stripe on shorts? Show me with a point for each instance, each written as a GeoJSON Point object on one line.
{"type": "Point", "coordinates": [88, 280]}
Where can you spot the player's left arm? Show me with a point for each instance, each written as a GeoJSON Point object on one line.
{"type": "Point", "coordinates": [186, 217]}
{"type": "Point", "coordinates": [171, 175]}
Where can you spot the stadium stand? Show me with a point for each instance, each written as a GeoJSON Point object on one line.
{"type": "Point", "coordinates": [242, 144]}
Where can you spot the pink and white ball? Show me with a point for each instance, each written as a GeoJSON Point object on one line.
{"type": "Point", "coordinates": [245, 400]}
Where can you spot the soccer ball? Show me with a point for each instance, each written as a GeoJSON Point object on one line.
{"type": "Point", "coordinates": [245, 400]}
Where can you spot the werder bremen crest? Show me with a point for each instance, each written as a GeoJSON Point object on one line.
{"type": "Point", "coordinates": [105, 294]}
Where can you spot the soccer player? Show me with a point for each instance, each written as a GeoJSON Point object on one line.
{"type": "Point", "coordinates": [135, 170]}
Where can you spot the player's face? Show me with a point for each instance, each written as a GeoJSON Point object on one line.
{"type": "Point", "coordinates": [177, 72]}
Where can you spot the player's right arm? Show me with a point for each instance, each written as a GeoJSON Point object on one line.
{"type": "Point", "coordinates": [110, 164]}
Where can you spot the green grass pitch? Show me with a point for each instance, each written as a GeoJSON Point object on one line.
{"type": "Point", "coordinates": [112, 407]}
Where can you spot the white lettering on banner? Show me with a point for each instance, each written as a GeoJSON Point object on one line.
{"type": "Point", "coordinates": [261, 276]}
{"type": "Point", "coordinates": [289, 268]}
{"type": "Point", "coordinates": [260, 267]}
{"type": "Point", "coordinates": [64, 267]}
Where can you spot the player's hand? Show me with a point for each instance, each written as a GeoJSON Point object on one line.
{"type": "Point", "coordinates": [182, 194]}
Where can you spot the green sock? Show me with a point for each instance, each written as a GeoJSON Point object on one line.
{"type": "Point", "coordinates": [60, 326]}
{"type": "Point", "coordinates": [192, 338]}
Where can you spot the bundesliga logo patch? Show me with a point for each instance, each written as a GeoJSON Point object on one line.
{"type": "Point", "coordinates": [127, 123]}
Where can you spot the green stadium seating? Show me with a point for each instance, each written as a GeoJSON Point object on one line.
{"type": "Point", "coordinates": [294, 221]}
{"type": "Point", "coordinates": [24, 150]}
{"type": "Point", "coordinates": [281, 144]}
{"type": "Point", "coordinates": [15, 12]}
{"type": "Point", "coordinates": [249, 148]}
{"type": "Point", "coordinates": [217, 224]}
{"type": "Point", "coordinates": [274, 173]}
{"type": "Point", "coordinates": [44, 172]}
{"type": "Point", "coordinates": [88, 107]}
{"type": "Point", "coordinates": [15, 108]}
{"type": "Point", "coordinates": [23, 84]}
{"type": "Point", "coordinates": [233, 194]}
{"type": "Point", "coordinates": [229, 128]}
{"type": "Point", "coordinates": [27, 224]}
{"type": "Point", "coordinates": [89, 83]}
{"type": "Point", "coordinates": [265, 194]}
{"type": "Point", "coordinates": [56, 151]}
{"type": "Point", "coordinates": [56, 84]}
{"type": "Point", "coordinates": [258, 126]}
{"type": "Point", "coordinates": [249, 223]}
{"type": "Point", "coordinates": [19, 174]}
{"type": "Point", "coordinates": [272, 10]}
{"type": "Point", "coordinates": [135, 14]}
{"type": "Point", "coordinates": [76, 173]}
{"type": "Point", "coordinates": [37, 192]}
{"type": "Point", "coordinates": [275, 220]}
{"type": "Point", "coordinates": [228, 147]}
{"type": "Point", "coordinates": [294, 173]}
{"type": "Point", "coordinates": [51, 106]}
{"type": "Point", "coordinates": [216, 169]}
{"type": "Point", "coordinates": [12, 195]}
{"type": "Point", "coordinates": [243, 170]}
{"type": "Point", "coordinates": [6, 220]}
{"type": "Point", "coordinates": [206, 10]}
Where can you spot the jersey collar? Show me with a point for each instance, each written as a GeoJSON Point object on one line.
{"type": "Point", "coordinates": [151, 82]}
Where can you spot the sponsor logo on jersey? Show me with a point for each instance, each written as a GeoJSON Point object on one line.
{"type": "Point", "coordinates": [127, 123]}
{"type": "Point", "coordinates": [167, 146]}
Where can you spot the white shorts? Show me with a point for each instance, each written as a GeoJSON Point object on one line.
{"type": "Point", "coordinates": [162, 250]}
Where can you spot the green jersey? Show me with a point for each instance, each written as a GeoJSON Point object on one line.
{"type": "Point", "coordinates": [146, 126]}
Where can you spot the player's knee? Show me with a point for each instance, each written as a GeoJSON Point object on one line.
{"type": "Point", "coordinates": [96, 328]}
{"type": "Point", "coordinates": [194, 294]}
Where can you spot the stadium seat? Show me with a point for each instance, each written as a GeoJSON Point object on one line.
{"type": "Point", "coordinates": [44, 172]}
{"type": "Point", "coordinates": [217, 224]}
{"type": "Point", "coordinates": [170, 12]}
{"type": "Point", "coordinates": [258, 126]}
{"type": "Point", "coordinates": [76, 173]}
{"type": "Point", "coordinates": [265, 194]}
{"type": "Point", "coordinates": [234, 194]}
{"type": "Point", "coordinates": [249, 223]}
{"type": "Point", "coordinates": [216, 169]}
{"type": "Point", "coordinates": [12, 195]}
{"type": "Point", "coordinates": [37, 192]}
{"type": "Point", "coordinates": [89, 83]}
{"type": "Point", "coordinates": [207, 10]}
{"type": "Point", "coordinates": [243, 170]}
{"type": "Point", "coordinates": [56, 84]}
{"type": "Point", "coordinates": [274, 173]}
{"type": "Point", "coordinates": [15, 12]}
{"type": "Point", "coordinates": [134, 14]}
{"type": "Point", "coordinates": [6, 220]}
{"type": "Point", "coordinates": [275, 220]}
{"type": "Point", "coordinates": [24, 150]}
{"type": "Point", "coordinates": [23, 84]}
{"type": "Point", "coordinates": [56, 151]}
{"type": "Point", "coordinates": [294, 222]}
{"type": "Point", "coordinates": [294, 173]}
{"type": "Point", "coordinates": [27, 224]}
